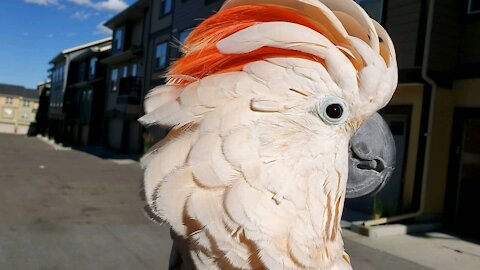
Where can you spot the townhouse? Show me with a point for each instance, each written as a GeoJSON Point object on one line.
{"type": "Point", "coordinates": [18, 107]}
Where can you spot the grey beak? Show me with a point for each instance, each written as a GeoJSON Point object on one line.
{"type": "Point", "coordinates": [371, 158]}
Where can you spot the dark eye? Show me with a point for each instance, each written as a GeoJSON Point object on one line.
{"type": "Point", "coordinates": [332, 110]}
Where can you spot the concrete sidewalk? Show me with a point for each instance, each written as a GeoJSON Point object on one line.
{"type": "Point", "coordinates": [433, 250]}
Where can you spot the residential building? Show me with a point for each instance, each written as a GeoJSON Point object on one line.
{"type": "Point", "coordinates": [41, 117]}
{"type": "Point", "coordinates": [435, 112]}
{"type": "Point", "coordinates": [159, 49]}
{"type": "Point", "coordinates": [84, 98]}
{"type": "Point", "coordinates": [187, 15]}
{"type": "Point", "coordinates": [59, 74]}
{"type": "Point", "coordinates": [126, 72]}
{"type": "Point", "coordinates": [18, 107]}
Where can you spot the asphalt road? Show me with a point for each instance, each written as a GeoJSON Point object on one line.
{"type": "Point", "coordinates": [72, 210]}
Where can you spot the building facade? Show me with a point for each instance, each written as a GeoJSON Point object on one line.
{"type": "Point", "coordinates": [84, 98]}
{"type": "Point", "coordinates": [41, 117]}
{"type": "Point", "coordinates": [58, 127]}
{"type": "Point", "coordinates": [126, 73]}
{"type": "Point", "coordinates": [435, 112]}
{"type": "Point", "coordinates": [18, 107]}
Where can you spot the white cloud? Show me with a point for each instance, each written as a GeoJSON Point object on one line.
{"type": "Point", "coordinates": [107, 5]}
{"type": "Point", "coordinates": [103, 30]}
{"type": "Point", "coordinates": [80, 15]}
{"type": "Point", "coordinates": [42, 2]}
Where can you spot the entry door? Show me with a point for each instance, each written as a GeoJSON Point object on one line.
{"type": "Point", "coordinates": [463, 190]}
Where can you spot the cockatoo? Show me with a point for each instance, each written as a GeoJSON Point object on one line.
{"type": "Point", "coordinates": [261, 106]}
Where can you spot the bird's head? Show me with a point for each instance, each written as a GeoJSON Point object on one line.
{"type": "Point", "coordinates": [341, 64]}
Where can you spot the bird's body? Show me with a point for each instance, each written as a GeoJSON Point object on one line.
{"type": "Point", "coordinates": [253, 174]}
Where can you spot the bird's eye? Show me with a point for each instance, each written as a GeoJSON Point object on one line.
{"type": "Point", "coordinates": [332, 110]}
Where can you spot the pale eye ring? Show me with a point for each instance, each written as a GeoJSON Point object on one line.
{"type": "Point", "coordinates": [332, 110]}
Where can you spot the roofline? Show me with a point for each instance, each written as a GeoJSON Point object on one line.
{"type": "Point", "coordinates": [80, 47]}
{"type": "Point", "coordinates": [110, 23]}
{"type": "Point", "coordinates": [91, 44]}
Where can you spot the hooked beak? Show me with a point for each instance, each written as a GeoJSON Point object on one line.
{"type": "Point", "coordinates": [371, 158]}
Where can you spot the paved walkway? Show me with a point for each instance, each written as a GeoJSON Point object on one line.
{"type": "Point", "coordinates": [433, 250]}
{"type": "Point", "coordinates": [71, 210]}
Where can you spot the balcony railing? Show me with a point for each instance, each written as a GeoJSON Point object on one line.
{"type": "Point", "coordinates": [129, 90]}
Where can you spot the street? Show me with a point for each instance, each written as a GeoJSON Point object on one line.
{"type": "Point", "coordinates": [72, 210]}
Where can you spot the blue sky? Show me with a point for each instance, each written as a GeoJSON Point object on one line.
{"type": "Point", "coordinates": [32, 32]}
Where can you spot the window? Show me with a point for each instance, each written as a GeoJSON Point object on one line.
{"type": "Point", "coordinates": [26, 103]}
{"type": "Point", "coordinates": [374, 8]}
{"type": "Point", "coordinates": [8, 112]}
{"type": "Point", "coordinates": [473, 6]}
{"type": "Point", "coordinates": [125, 72]}
{"type": "Point", "coordinates": [62, 72]}
{"type": "Point", "coordinates": [93, 67]}
{"type": "Point", "coordinates": [184, 34]}
{"type": "Point", "coordinates": [134, 70]}
{"type": "Point", "coordinates": [166, 7]}
{"type": "Point", "coordinates": [114, 79]}
{"type": "Point", "coordinates": [25, 115]}
{"type": "Point", "coordinates": [161, 55]}
{"type": "Point", "coordinates": [9, 100]}
{"type": "Point", "coordinates": [118, 39]}
{"type": "Point", "coordinates": [82, 69]}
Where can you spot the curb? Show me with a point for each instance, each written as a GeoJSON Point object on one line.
{"type": "Point", "coordinates": [393, 229]}
{"type": "Point", "coordinates": [52, 143]}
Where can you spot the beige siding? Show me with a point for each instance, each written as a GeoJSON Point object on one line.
{"type": "Point", "coordinates": [15, 117]}
{"type": "Point", "coordinates": [412, 95]}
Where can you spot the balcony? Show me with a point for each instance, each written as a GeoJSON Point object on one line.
{"type": "Point", "coordinates": [129, 91]}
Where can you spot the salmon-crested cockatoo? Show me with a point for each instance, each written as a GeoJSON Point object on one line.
{"type": "Point", "coordinates": [261, 106]}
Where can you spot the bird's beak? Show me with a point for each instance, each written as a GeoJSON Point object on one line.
{"type": "Point", "coordinates": [371, 158]}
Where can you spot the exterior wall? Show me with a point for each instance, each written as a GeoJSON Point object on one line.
{"type": "Point", "coordinates": [410, 95]}
{"type": "Point", "coordinates": [115, 130]}
{"type": "Point", "coordinates": [403, 23]}
{"type": "Point", "coordinates": [159, 30]}
{"type": "Point", "coordinates": [469, 40]}
{"type": "Point", "coordinates": [17, 123]}
{"type": "Point", "coordinates": [159, 22]}
{"type": "Point", "coordinates": [7, 128]}
{"type": "Point", "coordinates": [189, 14]}
{"type": "Point", "coordinates": [465, 94]}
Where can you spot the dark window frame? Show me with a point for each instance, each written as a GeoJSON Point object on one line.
{"type": "Point", "coordinates": [155, 66]}
{"type": "Point", "coordinates": [115, 48]}
{"type": "Point", "coordinates": [162, 12]}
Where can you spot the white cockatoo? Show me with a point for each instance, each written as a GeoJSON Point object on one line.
{"type": "Point", "coordinates": [261, 106]}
